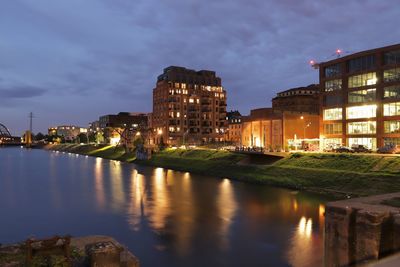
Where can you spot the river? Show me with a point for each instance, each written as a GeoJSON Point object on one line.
{"type": "Point", "coordinates": [165, 217]}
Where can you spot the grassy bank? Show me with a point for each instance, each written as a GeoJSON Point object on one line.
{"type": "Point", "coordinates": [336, 173]}
{"type": "Point", "coordinates": [102, 151]}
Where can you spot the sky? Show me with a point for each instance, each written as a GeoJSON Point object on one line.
{"type": "Point", "coordinates": [71, 61]}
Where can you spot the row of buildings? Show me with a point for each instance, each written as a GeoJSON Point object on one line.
{"type": "Point", "coordinates": [357, 101]}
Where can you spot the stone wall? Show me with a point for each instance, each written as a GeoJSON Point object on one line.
{"type": "Point", "coordinates": [362, 229]}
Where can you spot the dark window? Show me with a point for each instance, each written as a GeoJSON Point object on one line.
{"type": "Point", "coordinates": [392, 57]}
{"type": "Point", "coordinates": [333, 70]}
{"type": "Point", "coordinates": [332, 100]}
{"type": "Point", "coordinates": [362, 63]}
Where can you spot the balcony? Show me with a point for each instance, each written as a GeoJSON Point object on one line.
{"type": "Point", "coordinates": [205, 102]}
{"type": "Point", "coordinates": [206, 110]}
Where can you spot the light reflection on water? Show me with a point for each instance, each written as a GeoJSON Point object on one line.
{"type": "Point", "coordinates": [167, 218]}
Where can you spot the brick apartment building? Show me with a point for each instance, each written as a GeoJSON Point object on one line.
{"type": "Point", "coordinates": [189, 107]}
{"type": "Point", "coordinates": [360, 98]}
{"type": "Point", "coordinates": [234, 131]}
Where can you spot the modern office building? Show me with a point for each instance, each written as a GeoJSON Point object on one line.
{"type": "Point", "coordinates": [360, 98]}
{"type": "Point", "coordinates": [233, 134]}
{"type": "Point", "coordinates": [300, 99]}
{"type": "Point", "coordinates": [189, 107]}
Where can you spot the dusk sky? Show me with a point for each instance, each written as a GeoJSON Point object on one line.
{"type": "Point", "coordinates": [71, 61]}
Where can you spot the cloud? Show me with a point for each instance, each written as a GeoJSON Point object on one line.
{"type": "Point", "coordinates": [21, 92]}
{"type": "Point", "coordinates": [88, 58]}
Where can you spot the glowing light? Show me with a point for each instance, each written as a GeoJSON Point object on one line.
{"type": "Point", "coordinates": [301, 118]}
{"type": "Point", "coordinates": [305, 227]}
{"type": "Point", "coordinates": [138, 133]}
{"type": "Point", "coordinates": [312, 62]}
{"type": "Point", "coordinates": [338, 51]}
{"type": "Point", "coordinates": [114, 140]}
{"type": "Point", "coordinates": [159, 131]}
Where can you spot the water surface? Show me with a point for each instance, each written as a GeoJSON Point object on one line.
{"type": "Point", "coordinates": [165, 217]}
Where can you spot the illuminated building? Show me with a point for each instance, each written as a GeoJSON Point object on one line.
{"type": "Point", "coordinates": [234, 132]}
{"type": "Point", "coordinates": [360, 98]}
{"type": "Point", "coordinates": [69, 132]}
{"type": "Point", "coordinates": [122, 128]}
{"type": "Point", "coordinates": [280, 130]}
{"type": "Point", "coordinates": [291, 124]}
{"type": "Point", "coordinates": [189, 107]}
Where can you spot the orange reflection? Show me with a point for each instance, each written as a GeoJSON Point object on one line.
{"type": "Point", "coordinates": [117, 187]}
{"type": "Point", "coordinates": [136, 207]}
{"type": "Point", "coordinates": [303, 250]}
{"type": "Point", "coordinates": [160, 208]}
{"type": "Point", "coordinates": [99, 183]}
{"type": "Point", "coordinates": [227, 206]}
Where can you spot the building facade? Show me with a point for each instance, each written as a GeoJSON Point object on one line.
{"type": "Point", "coordinates": [300, 99]}
{"type": "Point", "coordinates": [123, 128]}
{"type": "Point", "coordinates": [233, 134]}
{"type": "Point", "coordinates": [69, 132]}
{"type": "Point", "coordinates": [280, 130]}
{"type": "Point", "coordinates": [360, 99]}
{"type": "Point", "coordinates": [189, 107]}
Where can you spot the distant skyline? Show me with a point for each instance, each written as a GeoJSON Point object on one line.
{"type": "Point", "coordinates": [70, 62]}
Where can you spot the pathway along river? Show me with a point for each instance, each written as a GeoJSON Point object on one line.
{"type": "Point", "coordinates": [165, 217]}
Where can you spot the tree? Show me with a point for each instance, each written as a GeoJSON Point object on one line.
{"type": "Point", "coordinates": [82, 138]}
{"type": "Point", "coordinates": [39, 136]}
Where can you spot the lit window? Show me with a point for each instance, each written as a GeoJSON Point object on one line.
{"type": "Point", "coordinates": [183, 85]}
{"type": "Point", "coordinates": [361, 127]}
{"type": "Point", "coordinates": [392, 75]}
{"type": "Point", "coordinates": [362, 96]}
{"type": "Point", "coordinates": [365, 141]}
{"type": "Point", "coordinates": [391, 109]}
{"type": "Point", "coordinates": [391, 91]}
{"type": "Point", "coordinates": [332, 114]}
{"type": "Point", "coordinates": [178, 114]}
{"type": "Point", "coordinates": [358, 112]}
{"type": "Point", "coordinates": [392, 126]}
{"type": "Point", "coordinates": [191, 100]}
{"type": "Point", "coordinates": [333, 85]}
{"type": "Point", "coordinates": [362, 80]}
{"type": "Point", "coordinates": [333, 128]}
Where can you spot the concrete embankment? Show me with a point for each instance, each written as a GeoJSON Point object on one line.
{"type": "Point", "coordinates": [341, 175]}
{"type": "Point", "coordinates": [362, 229]}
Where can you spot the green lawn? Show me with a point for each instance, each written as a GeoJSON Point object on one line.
{"type": "Point", "coordinates": [338, 173]}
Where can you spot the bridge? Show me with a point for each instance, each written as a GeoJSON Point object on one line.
{"type": "Point", "coordinates": [6, 138]}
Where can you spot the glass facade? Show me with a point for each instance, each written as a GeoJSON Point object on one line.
{"type": "Point", "coordinates": [333, 128]}
{"type": "Point", "coordinates": [392, 75]}
{"type": "Point", "coordinates": [333, 85]}
{"type": "Point", "coordinates": [392, 126]}
{"type": "Point", "coordinates": [332, 114]}
{"type": "Point", "coordinates": [361, 127]}
{"type": "Point", "coordinates": [391, 91]}
{"type": "Point", "coordinates": [333, 70]}
{"type": "Point", "coordinates": [392, 57]}
{"type": "Point", "coordinates": [391, 109]}
{"type": "Point", "coordinates": [361, 96]}
{"type": "Point", "coordinates": [362, 63]}
{"type": "Point", "coordinates": [366, 141]}
{"type": "Point", "coordinates": [330, 143]}
{"type": "Point", "coordinates": [359, 112]}
{"type": "Point", "coordinates": [391, 141]}
{"type": "Point", "coordinates": [362, 80]}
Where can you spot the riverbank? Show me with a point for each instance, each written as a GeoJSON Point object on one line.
{"type": "Point", "coordinates": [82, 251]}
{"type": "Point", "coordinates": [336, 174]}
